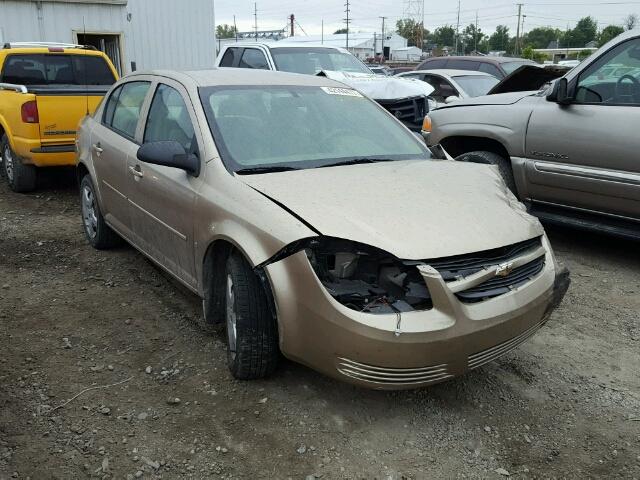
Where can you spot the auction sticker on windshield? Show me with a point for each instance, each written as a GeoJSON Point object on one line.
{"type": "Point", "coordinates": [341, 91]}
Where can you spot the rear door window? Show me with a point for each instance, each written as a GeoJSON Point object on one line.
{"type": "Point", "coordinates": [122, 111]}
{"type": "Point", "coordinates": [229, 57]}
{"type": "Point", "coordinates": [56, 69]}
{"type": "Point", "coordinates": [253, 58]}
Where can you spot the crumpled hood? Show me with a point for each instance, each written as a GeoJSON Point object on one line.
{"type": "Point", "coordinates": [414, 210]}
{"type": "Point", "coordinates": [496, 99]}
{"type": "Point", "coordinates": [379, 87]}
{"type": "Point", "coordinates": [528, 78]}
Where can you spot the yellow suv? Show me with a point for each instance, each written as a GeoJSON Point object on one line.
{"type": "Point", "coordinates": [45, 89]}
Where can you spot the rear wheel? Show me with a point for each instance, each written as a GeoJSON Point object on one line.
{"type": "Point", "coordinates": [20, 177]}
{"type": "Point", "coordinates": [490, 158]}
{"type": "Point", "coordinates": [252, 331]}
{"type": "Point", "coordinates": [98, 233]}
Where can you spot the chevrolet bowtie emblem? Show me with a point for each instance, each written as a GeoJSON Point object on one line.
{"type": "Point", "coordinates": [504, 269]}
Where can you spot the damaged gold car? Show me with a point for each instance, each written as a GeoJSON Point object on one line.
{"type": "Point", "coordinates": [315, 225]}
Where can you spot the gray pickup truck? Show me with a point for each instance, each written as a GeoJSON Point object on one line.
{"type": "Point", "coordinates": [571, 150]}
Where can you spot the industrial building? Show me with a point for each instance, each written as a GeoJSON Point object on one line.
{"type": "Point", "coordinates": [135, 34]}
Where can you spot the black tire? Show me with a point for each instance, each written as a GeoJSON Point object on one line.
{"type": "Point", "coordinates": [97, 232]}
{"type": "Point", "coordinates": [490, 158]}
{"type": "Point", "coordinates": [255, 352]}
{"type": "Point", "coordinates": [20, 177]}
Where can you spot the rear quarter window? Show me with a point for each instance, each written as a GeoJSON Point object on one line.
{"type": "Point", "coordinates": [56, 69]}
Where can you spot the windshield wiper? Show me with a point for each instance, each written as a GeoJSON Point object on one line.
{"type": "Point", "coordinates": [357, 161]}
{"type": "Point", "coordinates": [272, 169]}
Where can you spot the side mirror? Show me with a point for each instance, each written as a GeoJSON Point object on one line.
{"type": "Point", "coordinates": [560, 93]}
{"type": "Point", "coordinates": [169, 154]}
{"type": "Point", "coordinates": [452, 98]}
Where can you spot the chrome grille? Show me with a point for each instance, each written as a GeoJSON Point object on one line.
{"type": "Point", "coordinates": [485, 356]}
{"type": "Point", "coordinates": [500, 285]}
{"type": "Point", "coordinates": [393, 376]}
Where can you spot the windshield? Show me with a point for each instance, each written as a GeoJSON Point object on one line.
{"type": "Point", "coordinates": [55, 69]}
{"type": "Point", "coordinates": [262, 127]}
{"type": "Point", "coordinates": [310, 61]}
{"type": "Point", "coordinates": [476, 85]}
{"type": "Point", "coordinates": [512, 66]}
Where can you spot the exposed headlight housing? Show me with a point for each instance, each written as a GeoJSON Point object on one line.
{"type": "Point", "coordinates": [365, 278]}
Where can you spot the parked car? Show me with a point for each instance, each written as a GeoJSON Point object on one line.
{"type": "Point", "coordinates": [499, 67]}
{"type": "Point", "coordinates": [274, 198]}
{"type": "Point", "coordinates": [45, 88]}
{"type": "Point", "coordinates": [397, 70]}
{"type": "Point", "coordinates": [570, 149]}
{"type": "Point", "coordinates": [380, 70]}
{"type": "Point", "coordinates": [452, 85]}
{"type": "Point", "coordinates": [406, 99]}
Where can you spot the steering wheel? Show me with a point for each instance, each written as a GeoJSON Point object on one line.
{"type": "Point", "coordinates": [633, 92]}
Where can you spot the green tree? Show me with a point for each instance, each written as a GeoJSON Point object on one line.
{"type": "Point", "coordinates": [340, 30]}
{"type": "Point", "coordinates": [499, 40]}
{"type": "Point", "coordinates": [585, 31]}
{"type": "Point", "coordinates": [225, 31]}
{"type": "Point", "coordinates": [609, 33]}
{"type": "Point", "coordinates": [472, 37]}
{"type": "Point", "coordinates": [410, 29]}
{"type": "Point", "coordinates": [530, 53]}
{"type": "Point", "coordinates": [444, 36]}
{"type": "Point", "coordinates": [541, 37]}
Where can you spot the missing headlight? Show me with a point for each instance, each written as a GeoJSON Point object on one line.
{"type": "Point", "coordinates": [367, 279]}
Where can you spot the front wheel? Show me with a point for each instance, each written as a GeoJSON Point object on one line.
{"type": "Point", "coordinates": [20, 177]}
{"type": "Point", "coordinates": [490, 158]}
{"type": "Point", "coordinates": [252, 330]}
{"type": "Point", "coordinates": [98, 233]}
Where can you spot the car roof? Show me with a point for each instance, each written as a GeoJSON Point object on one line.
{"type": "Point", "coordinates": [240, 76]}
{"type": "Point", "coordinates": [45, 50]}
{"type": "Point", "coordinates": [478, 58]}
{"type": "Point", "coordinates": [285, 44]}
{"type": "Point", "coordinates": [448, 72]}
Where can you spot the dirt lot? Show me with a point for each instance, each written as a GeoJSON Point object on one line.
{"type": "Point", "coordinates": [564, 405]}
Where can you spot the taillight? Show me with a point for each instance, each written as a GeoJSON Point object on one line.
{"type": "Point", "coordinates": [56, 49]}
{"type": "Point", "coordinates": [30, 112]}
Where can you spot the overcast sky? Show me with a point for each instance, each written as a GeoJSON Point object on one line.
{"type": "Point", "coordinates": [272, 14]}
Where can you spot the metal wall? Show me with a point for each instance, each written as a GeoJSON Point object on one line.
{"type": "Point", "coordinates": [158, 34]}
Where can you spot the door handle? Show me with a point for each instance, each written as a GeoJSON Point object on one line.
{"type": "Point", "coordinates": [136, 171]}
{"type": "Point", "coordinates": [97, 148]}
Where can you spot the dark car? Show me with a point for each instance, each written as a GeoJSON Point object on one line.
{"type": "Point", "coordinates": [499, 67]}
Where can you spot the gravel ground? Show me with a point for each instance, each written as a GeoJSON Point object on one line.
{"type": "Point", "coordinates": [563, 405]}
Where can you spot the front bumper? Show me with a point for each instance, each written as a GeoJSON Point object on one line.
{"type": "Point", "coordinates": [432, 345]}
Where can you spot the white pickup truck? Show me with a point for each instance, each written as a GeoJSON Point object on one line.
{"type": "Point", "coordinates": [406, 99]}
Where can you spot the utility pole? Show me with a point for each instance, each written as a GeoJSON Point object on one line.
{"type": "Point", "coordinates": [347, 21]}
{"type": "Point", "coordinates": [255, 19]}
{"type": "Point", "coordinates": [475, 35]}
{"type": "Point", "coordinates": [292, 19]}
{"type": "Point", "coordinates": [235, 28]}
{"type": "Point", "coordinates": [518, 29]}
{"type": "Point", "coordinates": [383, 19]}
{"type": "Point", "coordinates": [322, 36]}
{"type": "Point", "coordinates": [458, 27]}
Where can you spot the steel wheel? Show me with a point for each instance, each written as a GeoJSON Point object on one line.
{"type": "Point", "coordinates": [8, 162]}
{"type": "Point", "coordinates": [231, 316]}
{"type": "Point", "coordinates": [89, 216]}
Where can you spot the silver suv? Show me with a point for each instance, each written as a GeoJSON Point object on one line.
{"type": "Point", "coordinates": [570, 150]}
